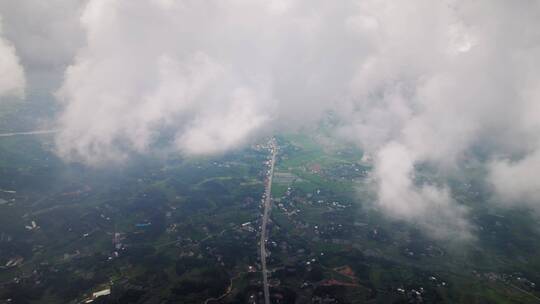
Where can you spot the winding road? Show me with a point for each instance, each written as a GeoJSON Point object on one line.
{"type": "Point", "coordinates": [266, 213]}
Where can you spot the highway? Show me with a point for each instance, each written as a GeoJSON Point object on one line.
{"type": "Point", "coordinates": [38, 132]}
{"type": "Point", "coordinates": [266, 214]}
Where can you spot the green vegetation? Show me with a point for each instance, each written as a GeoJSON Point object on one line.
{"type": "Point", "coordinates": [186, 230]}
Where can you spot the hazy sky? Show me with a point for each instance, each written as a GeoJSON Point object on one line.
{"type": "Point", "coordinates": [412, 82]}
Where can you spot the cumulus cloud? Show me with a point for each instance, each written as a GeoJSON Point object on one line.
{"type": "Point", "coordinates": [514, 172]}
{"type": "Point", "coordinates": [411, 82]}
{"type": "Point", "coordinates": [516, 182]}
{"type": "Point", "coordinates": [12, 81]}
{"type": "Point", "coordinates": [214, 73]}
{"type": "Point", "coordinates": [442, 79]}
{"type": "Point", "coordinates": [430, 206]}
{"type": "Point", "coordinates": [46, 33]}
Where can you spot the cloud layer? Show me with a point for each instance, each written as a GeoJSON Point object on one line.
{"type": "Point", "coordinates": [411, 82]}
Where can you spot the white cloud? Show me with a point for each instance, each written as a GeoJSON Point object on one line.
{"type": "Point", "coordinates": [46, 33]}
{"type": "Point", "coordinates": [429, 206]}
{"type": "Point", "coordinates": [12, 81]}
{"type": "Point", "coordinates": [214, 132]}
{"type": "Point", "coordinates": [444, 77]}
{"type": "Point", "coordinates": [198, 69]}
{"type": "Point", "coordinates": [516, 182]}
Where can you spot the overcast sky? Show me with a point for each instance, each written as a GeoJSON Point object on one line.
{"type": "Point", "coordinates": [412, 82]}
